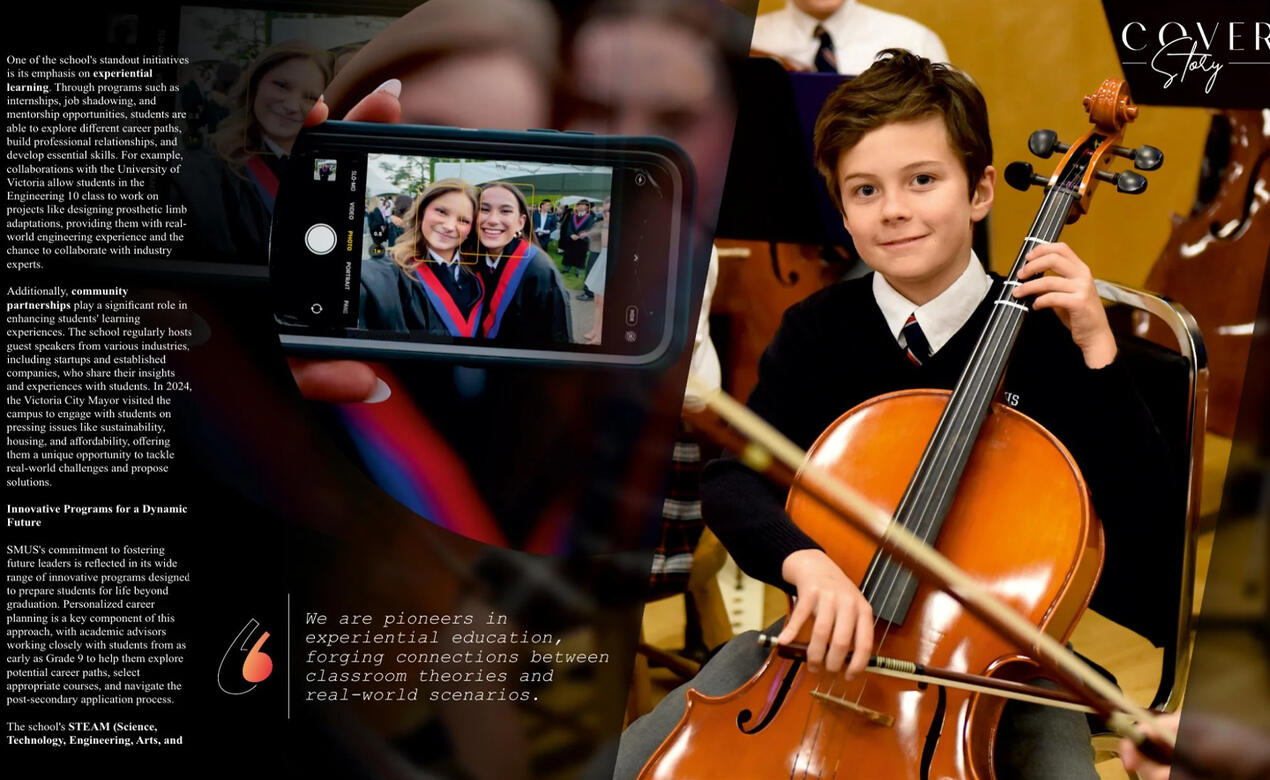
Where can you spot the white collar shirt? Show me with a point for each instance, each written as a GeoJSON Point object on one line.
{"type": "Point", "coordinates": [941, 317]}
{"type": "Point", "coordinates": [451, 264]}
{"type": "Point", "coordinates": [273, 148]}
{"type": "Point", "coordinates": [858, 31]}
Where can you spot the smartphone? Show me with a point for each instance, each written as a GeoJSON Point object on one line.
{"type": "Point", "coordinates": [350, 282]}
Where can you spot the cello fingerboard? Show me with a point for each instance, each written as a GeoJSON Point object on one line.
{"type": "Point", "coordinates": [887, 585]}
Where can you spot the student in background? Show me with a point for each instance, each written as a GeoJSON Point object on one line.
{"type": "Point", "coordinates": [597, 242]}
{"type": "Point", "coordinates": [230, 187]}
{"type": "Point", "coordinates": [544, 222]}
{"type": "Point", "coordinates": [593, 288]}
{"type": "Point", "coordinates": [839, 36]}
{"type": "Point", "coordinates": [574, 244]}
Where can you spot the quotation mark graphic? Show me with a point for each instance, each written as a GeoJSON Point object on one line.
{"type": "Point", "coordinates": [256, 664]}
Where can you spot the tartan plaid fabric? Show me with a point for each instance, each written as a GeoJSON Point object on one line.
{"type": "Point", "coordinates": [681, 523]}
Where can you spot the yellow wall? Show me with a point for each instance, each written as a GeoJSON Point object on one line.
{"type": "Point", "coordinates": [1034, 62]}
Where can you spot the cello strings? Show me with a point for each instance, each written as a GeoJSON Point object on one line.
{"type": "Point", "coordinates": [978, 371]}
{"type": "Point", "coordinates": [906, 509]}
{"type": "Point", "coordinates": [997, 332]}
{"type": "Point", "coordinates": [1002, 327]}
{"type": "Point", "coordinates": [933, 472]}
{"type": "Point", "coordinates": [928, 487]}
{"type": "Point", "coordinates": [806, 752]}
{"type": "Point", "coordinates": [935, 477]}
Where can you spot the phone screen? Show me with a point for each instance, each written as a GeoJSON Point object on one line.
{"type": "Point", "coordinates": [534, 249]}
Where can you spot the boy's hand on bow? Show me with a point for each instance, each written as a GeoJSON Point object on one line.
{"type": "Point", "coordinates": [842, 618]}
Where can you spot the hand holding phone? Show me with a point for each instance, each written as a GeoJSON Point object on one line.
{"type": "Point", "coordinates": [469, 282]}
{"type": "Point", "coordinates": [346, 381]}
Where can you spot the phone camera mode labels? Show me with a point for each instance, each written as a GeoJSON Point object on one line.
{"type": "Point", "coordinates": [320, 239]}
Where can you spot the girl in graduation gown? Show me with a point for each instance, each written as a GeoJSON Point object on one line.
{"type": "Point", "coordinates": [425, 284]}
{"type": "Point", "coordinates": [573, 236]}
{"type": "Point", "coordinates": [526, 303]}
{"type": "Point", "coordinates": [229, 188]}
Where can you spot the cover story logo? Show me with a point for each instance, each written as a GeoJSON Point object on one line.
{"type": "Point", "coordinates": [1211, 54]}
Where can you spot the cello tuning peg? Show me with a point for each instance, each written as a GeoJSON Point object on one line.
{"type": "Point", "coordinates": [1131, 183]}
{"type": "Point", "coordinates": [1043, 143]}
{"type": "Point", "coordinates": [1148, 158]}
{"type": "Point", "coordinates": [1145, 158]}
{"type": "Point", "coordinates": [1020, 176]}
{"type": "Point", "coordinates": [1128, 182]}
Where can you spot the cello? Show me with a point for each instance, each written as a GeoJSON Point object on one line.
{"type": "Point", "coordinates": [967, 465]}
{"type": "Point", "coordinates": [1215, 257]}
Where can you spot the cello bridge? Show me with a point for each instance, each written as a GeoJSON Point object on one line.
{"type": "Point", "coordinates": [872, 716]}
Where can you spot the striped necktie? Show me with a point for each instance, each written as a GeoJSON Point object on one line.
{"type": "Point", "coordinates": [917, 349]}
{"type": "Point", "coordinates": [826, 61]}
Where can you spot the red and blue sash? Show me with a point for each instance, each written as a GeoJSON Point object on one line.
{"type": "Point", "coordinates": [508, 281]}
{"type": "Point", "coordinates": [414, 464]}
{"type": "Point", "coordinates": [443, 303]}
{"type": "Point", "coordinates": [264, 180]}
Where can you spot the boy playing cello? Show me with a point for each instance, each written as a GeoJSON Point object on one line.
{"type": "Point", "coordinates": [906, 152]}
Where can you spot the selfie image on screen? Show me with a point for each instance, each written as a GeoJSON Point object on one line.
{"type": "Point", "coordinates": [500, 250]}
{"type": "Point", "coordinates": [480, 245]}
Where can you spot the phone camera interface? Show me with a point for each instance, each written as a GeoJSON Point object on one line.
{"type": "Point", "coordinates": [458, 253]}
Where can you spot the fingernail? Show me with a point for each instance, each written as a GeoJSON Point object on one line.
{"type": "Point", "coordinates": [381, 394]}
{"type": "Point", "coordinates": [391, 86]}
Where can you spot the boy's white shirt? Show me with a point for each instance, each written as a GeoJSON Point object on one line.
{"type": "Point", "coordinates": [941, 317]}
{"type": "Point", "coordinates": [858, 32]}
{"type": "Point", "coordinates": [704, 372]}
{"type": "Point", "coordinates": [273, 147]}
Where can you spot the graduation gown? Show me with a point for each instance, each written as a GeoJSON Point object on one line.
{"type": "Point", "coordinates": [429, 300]}
{"type": "Point", "coordinates": [575, 250]}
{"type": "Point", "coordinates": [526, 303]}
